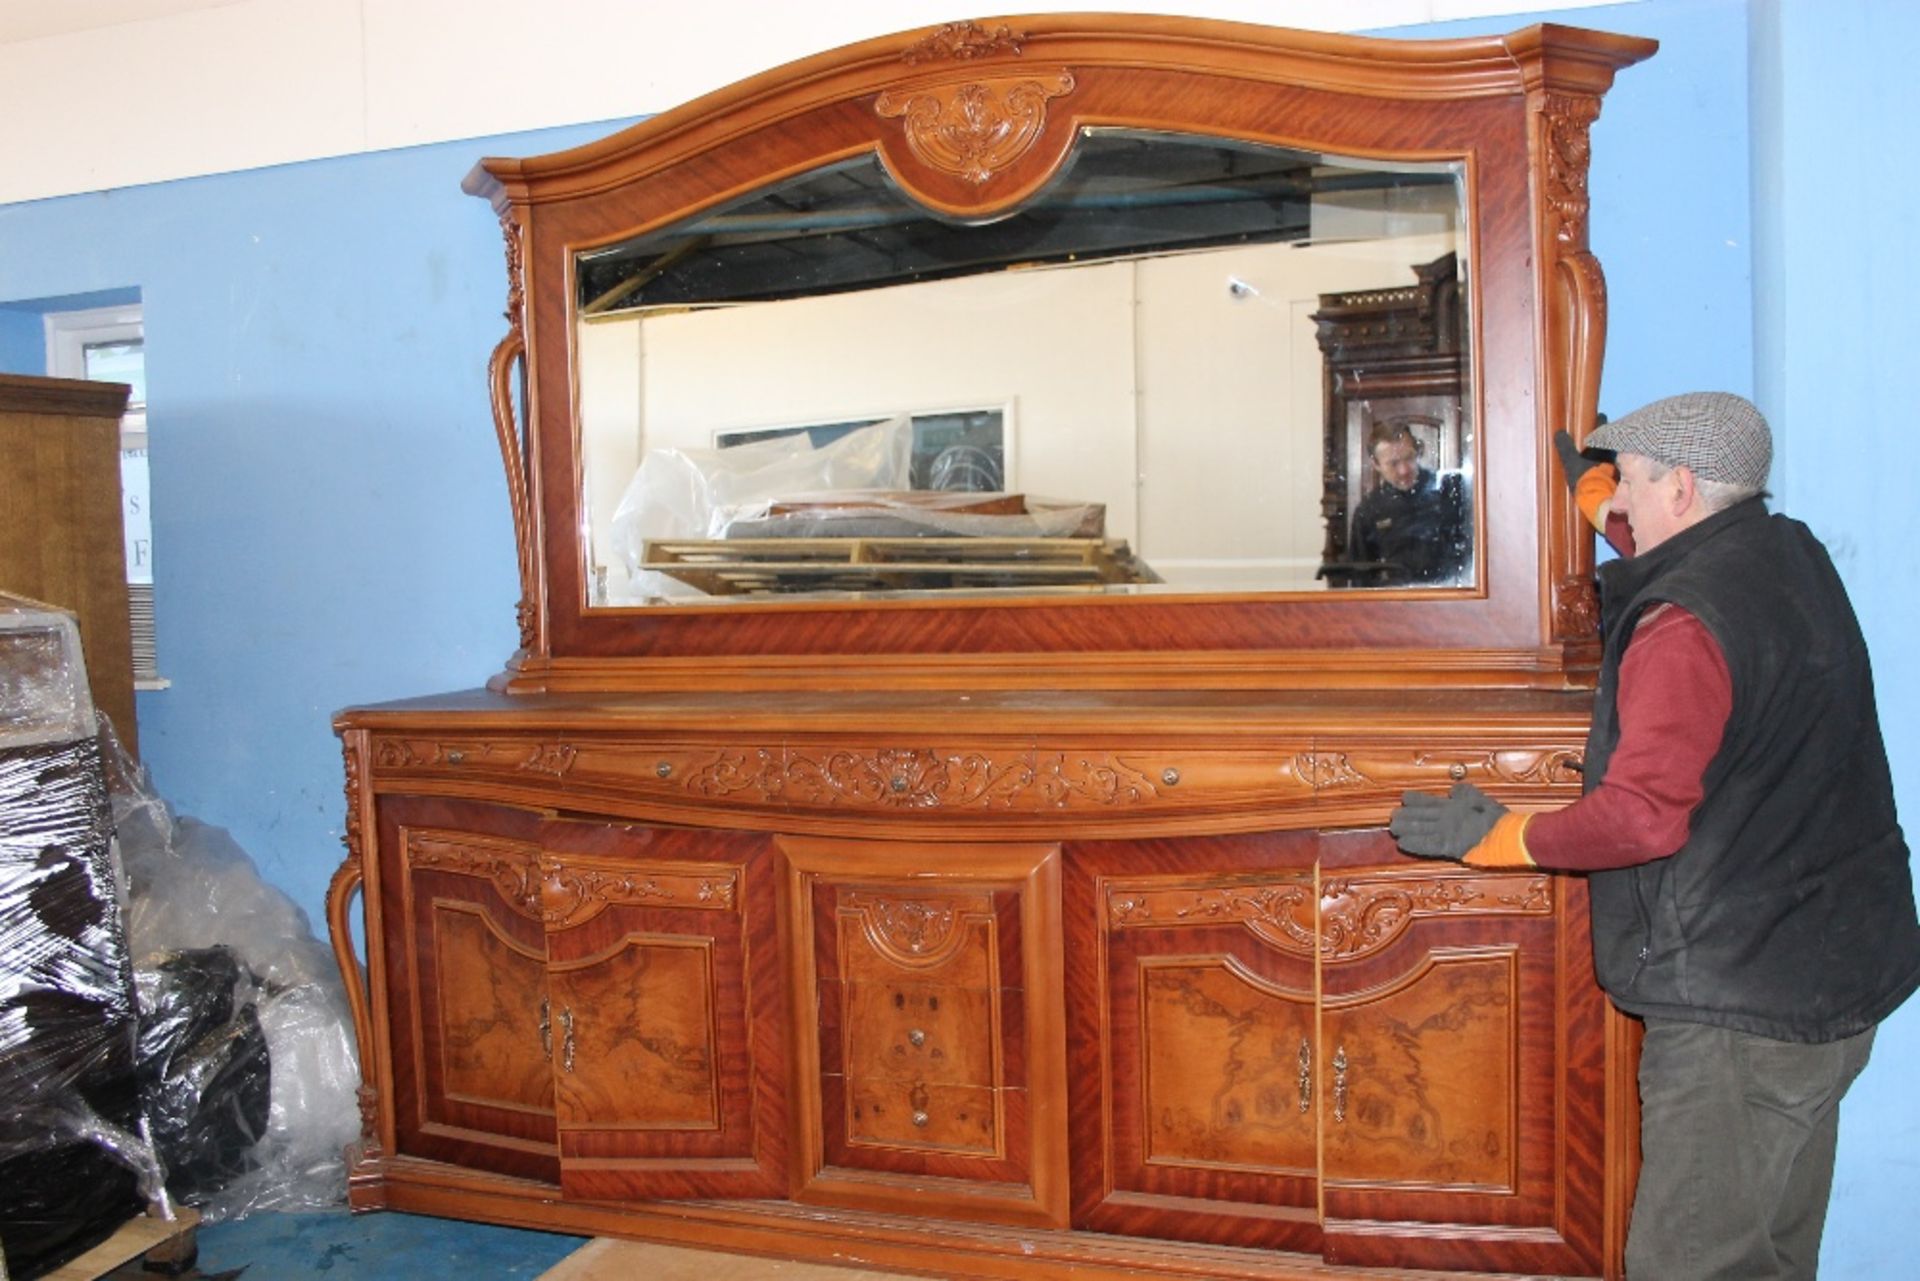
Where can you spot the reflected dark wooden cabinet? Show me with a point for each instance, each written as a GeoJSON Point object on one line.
{"type": "Point", "coordinates": [1039, 931]}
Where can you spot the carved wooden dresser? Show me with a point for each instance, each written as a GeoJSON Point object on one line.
{"type": "Point", "coordinates": [1017, 932]}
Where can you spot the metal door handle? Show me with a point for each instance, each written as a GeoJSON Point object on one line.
{"type": "Point", "coordinates": [1339, 1083]}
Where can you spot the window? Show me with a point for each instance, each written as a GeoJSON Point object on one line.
{"type": "Point", "coordinates": [107, 344]}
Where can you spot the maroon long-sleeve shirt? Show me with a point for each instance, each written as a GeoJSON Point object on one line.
{"type": "Point", "coordinates": [1673, 699]}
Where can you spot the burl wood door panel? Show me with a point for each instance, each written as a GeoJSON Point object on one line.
{"type": "Point", "coordinates": [1192, 1026]}
{"type": "Point", "coordinates": [669, 1023]}
{"type": "Point", "coordinates": [929, 1053]}
{"type": "Point", "coordinates": [466, 965]}
{"type": "Point", "coordinates": [1451, 1133]}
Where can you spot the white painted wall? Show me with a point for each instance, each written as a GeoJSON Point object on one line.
{"type": "Point", "coordinates": [96, 94]}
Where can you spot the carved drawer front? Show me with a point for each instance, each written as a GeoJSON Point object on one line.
{"type": "Point", "coordinates": [934, 1051]}
{"type": "Point", "coordinates": [467, 971]}
{"type": "Point", "coordinates": [668, 1023]}
{"type": "Point", "coordinates": [962, 780]}
{"type": "Point", "coordinates": [1204, 1103]}
{"type": "Point", "coordinates": [521, 761]}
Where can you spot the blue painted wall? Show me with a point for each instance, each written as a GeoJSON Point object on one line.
{"type": "Point", "coordinates": [331, 524]}
{"type": "Point", "coordinates": [23, 343]}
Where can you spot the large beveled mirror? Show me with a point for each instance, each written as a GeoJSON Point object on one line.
{"type": "Point", "coordinates": [1060, 351]}
{"type": "Point", "coordinates": [1167, 371]}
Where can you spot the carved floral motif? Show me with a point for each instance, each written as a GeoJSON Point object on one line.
{"type": "Point", "coordinates": [974, 130]}
{"type": "Point", "coordinates": [962, 41]}
{"type": "Point", "coordinates": [919, 778]}
{"type": "Point", "coordinates": [1568, 150]}
{"type": "Point", "coordinates": [350, 830]}
{"type": "Point", "coordinates": [516, 273]}
{"type": "Point", "coordinates": [1576, 607]}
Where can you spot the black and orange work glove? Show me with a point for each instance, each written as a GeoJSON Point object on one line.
{"type": "Point", "coordinates": [1591, 480]}
{"type": "Point", "coordinates": [1465, 825]}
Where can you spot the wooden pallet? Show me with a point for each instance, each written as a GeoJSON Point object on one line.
{"type": "Point", "coordinates": [168, 1245]}
{"type": "Point", "coordinates": [754, 566]}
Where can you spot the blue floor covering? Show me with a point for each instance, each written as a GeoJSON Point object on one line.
{"type": "Point", "coordinates": [332, 1245]}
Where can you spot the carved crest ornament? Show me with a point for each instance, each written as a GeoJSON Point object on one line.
{"type": "Point", "coordinates": [976, 129]}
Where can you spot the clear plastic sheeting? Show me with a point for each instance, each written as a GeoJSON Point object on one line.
{"type": "Point", "coordinates": [44, 696]}
{"type": "Point", "coordinates": [697, 493]}
{"type": "Point", "coordinates": [251, 1068]}
{"type": "Point", "coordinates": [74, 1162]}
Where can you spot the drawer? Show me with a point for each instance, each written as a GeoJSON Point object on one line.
{"type": "Point", "coordinates": [923, 1115]}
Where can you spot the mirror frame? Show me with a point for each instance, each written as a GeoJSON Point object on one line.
{"type": "Point", "coordinates": [971, 119]}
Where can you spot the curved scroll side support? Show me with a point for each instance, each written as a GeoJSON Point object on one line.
{"type": "Point", "coordinates": [1577, 335]}
{"type": "Point", "coordinates": [347, 881]}
{"type": "Point", "coordinates": [508, 357]}
{"type": "Point", "coordinates": [1580, 322]}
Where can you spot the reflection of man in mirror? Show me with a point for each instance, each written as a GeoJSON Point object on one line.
{"type": "Point", "coordinates": [1412, 526]}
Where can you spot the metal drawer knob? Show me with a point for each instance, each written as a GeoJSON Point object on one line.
{"type": "Point", "coordinates": [916, 1037]}
{"type": "Point", "coordinates": [921, 1119]}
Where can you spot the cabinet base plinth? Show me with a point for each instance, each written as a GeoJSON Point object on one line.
{"type": "Point", "coordinates": [849, 1238]}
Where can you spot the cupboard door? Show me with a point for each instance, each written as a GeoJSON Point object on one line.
{"type": "Point", "coordinates": [669, 1017]}
{"type": "Point", "coordinates": [1191, 1021]}
{"type": "Point", "coordinates": [1452, 1133]}
{"type": "Point", "coordinates": [466, 967]}
{"type": "Point", "coordinates": [929, 1055]}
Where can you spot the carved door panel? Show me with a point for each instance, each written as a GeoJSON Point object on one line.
{"type": "Point", "coordinates": [1442, 1010]}
{"type": "Point", "coordinates": [668, 1013]}
{"type": "Point", "coordinates": [928, 1029]}
{"type": "Point", "coordinates": [466, 968]}
{"type": "Point", "coordinates": [1192, 1025]}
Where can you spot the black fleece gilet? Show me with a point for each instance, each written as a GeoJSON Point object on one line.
{"type": "Point", "coordinates": [1789, 912]}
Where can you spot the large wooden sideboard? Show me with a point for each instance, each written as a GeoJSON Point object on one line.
{"type": "Point", "coordinates": [1016, 934]}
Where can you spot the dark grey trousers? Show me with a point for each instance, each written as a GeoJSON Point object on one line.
{"type": "Point", "coordinates": [1737, 1138]}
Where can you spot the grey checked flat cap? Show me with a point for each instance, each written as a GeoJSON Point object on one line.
{"type": "Point", "coordinates": [1714, 434]}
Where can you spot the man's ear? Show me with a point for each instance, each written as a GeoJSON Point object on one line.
{"type": "Point", "coordinates": [1686, 490]}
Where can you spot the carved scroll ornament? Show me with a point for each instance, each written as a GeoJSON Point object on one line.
{"type": "Point", "coordinates": [974, 130]}
{"type": "Point", "coordinates": [513, 870]}
{"type": "Point", "coordinates": [1334, 771]}
{"type": "Point", "coordinates": [1360, 917]}
{"type": "Point", "coordinates": [1281, 914]}
{"type": "Point", "coordinates": [559, 894]}
{"type": "Point", "coordinates": [1356, 917]}
{"type": "Point", "coordinates": [509, 357]}
{"type": "Point", "coordinates": [920, 778]}
{"type": "Point", "coordinates": [347, 881]}
{"type": "Point", "coordinates": [915, 932]}
{"type": "Point", "coordinates": [576, 894]}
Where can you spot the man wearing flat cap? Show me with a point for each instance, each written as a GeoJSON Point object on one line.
{"type": "Point", "coordinates": [1751, 890]}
